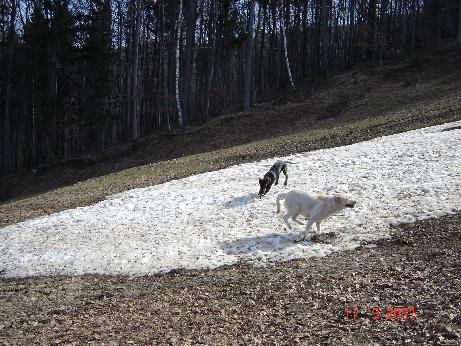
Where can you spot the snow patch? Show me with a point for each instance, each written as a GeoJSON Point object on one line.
{"type": "Point", "coordinates": [216, 218]}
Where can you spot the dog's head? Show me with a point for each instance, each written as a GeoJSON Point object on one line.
{"type": "Point", "coordinates": [263, 186]}
{"type": "Point", "coordinates": [344, 202]}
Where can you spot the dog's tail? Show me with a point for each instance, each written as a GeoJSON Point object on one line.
{"type": "Point", "coordinates": [279, 197]}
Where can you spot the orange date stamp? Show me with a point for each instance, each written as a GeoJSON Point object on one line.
{"type": "Point", "coordinates": [397, 313]}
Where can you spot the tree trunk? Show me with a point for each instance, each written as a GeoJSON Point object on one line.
{"type": "Point", "coordinates": [403, 30]}
{"type": "Point", "coordinates": [178, 45]}
{"type": "Point", "coordinates": [285, 49]}
{"type": "Point", "coordinates": [247, 74]}
{"type": "Point", "coordinates": [7, 167]}
{"type": "Point", "coordinates": [351, 39]}
{"type": "Point", "coordinates": [254, 75]}
{"type": "Point", "coordinates": [414, 16]}
{"type": "Point", "coordinates": [106, 40]}
{"type": "Point", "coordinates": [261, 83]}
{"type": "Point", "coordinates": [198, 100]}
{"type": "Point", "coordinates": [52, 95]}
{"type": "Point", "coordinates": [271, 70]}
{"type": "Point", "coordinates": [211, 56]}
{"type": "Point", "coordinates": [383, 30]}
{"type": "Point", "coordinates": [135, 128]}
{"type": "Point", "coordinates": [164, 100]}
{"type": "Point", "coordinates": [304, 43]}
{"type": "Point", "coordinates": [324, 47]}
{"type": "Point", "coordinates": [459, 24]}
{"type": "Point", "coordinates": [190, 40]}
{"type": "Point", "coordinates": [371, 29]}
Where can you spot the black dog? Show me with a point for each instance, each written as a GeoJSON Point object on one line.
{"type": "Point", "coordinates": [273, 176]}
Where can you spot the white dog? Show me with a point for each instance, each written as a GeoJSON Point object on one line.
{"type": "Point", "coordinates": [314, 208]}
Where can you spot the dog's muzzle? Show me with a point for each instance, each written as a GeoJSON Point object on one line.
{"type": "Point", "coordinates": [350, 205]}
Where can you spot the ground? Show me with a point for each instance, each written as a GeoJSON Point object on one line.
{"type": "Point", "coordinates": [297, 301]}
{"type": "Point", "coordinates": [301, 301]}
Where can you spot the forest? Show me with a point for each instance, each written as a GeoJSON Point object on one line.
{"type": "Point", "coordinates": [79, 76]}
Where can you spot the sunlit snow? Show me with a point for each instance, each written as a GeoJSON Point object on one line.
{"type": "Point", "coordinates": [212, 219]}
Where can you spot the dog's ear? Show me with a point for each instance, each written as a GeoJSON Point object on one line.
{"type": "Point", "coordinates": [338, 200]}
{"type": "Point", "coordinates": [260, 181]}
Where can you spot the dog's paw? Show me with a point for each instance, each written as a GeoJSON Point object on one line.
{"type": "Point", "coordinates": [302, 238]}
{"type": "Point", "coordinates": [299, 239]}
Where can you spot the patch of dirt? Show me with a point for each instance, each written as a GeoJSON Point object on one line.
{"type": "Point", "coordinates": [301, 301]}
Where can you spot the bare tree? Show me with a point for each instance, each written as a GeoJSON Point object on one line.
{"type": "Point", "coordinates": [285, 49]}
{"type": "Point", "coordinates": [261, 53]}
{"type": "Point", "coordinates": [324, 40]}
{"type": "Point", "coordinates": [211, 58]}
{"type": "Point", "coordinates": [371, 28]}
{"type": "Point", "coordinates": [163, 68]}
{"type": "Point", "coordinates": [178, 44]}
{"type": "Point", "coordinates": [459, 24]}
{"type": "Point", "coordinates": [135, 126]}
{"type": "Point", "coordinates": [351, 40]}
{"type": "Point", "coordinates": [11, 39]}
{"type": "Point", "coordinates": [247, 74]}
{"type": "Point", "coordinates": [190, 39]}
{"type": "Point", "coordinates": [383, 30]}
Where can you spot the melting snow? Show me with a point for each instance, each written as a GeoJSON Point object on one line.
{"type": "Point", "coordinates": [212, 219]}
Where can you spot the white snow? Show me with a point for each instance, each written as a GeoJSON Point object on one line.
{"type": "Point", "coordinates": [212, 219]}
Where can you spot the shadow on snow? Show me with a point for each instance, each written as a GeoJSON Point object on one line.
{"type": "Point", "coordinates": [240, 201]}
{"type": "Point", "coordinates": [267, 243]}
{"type": "Point", "coordinates": [275, 242]}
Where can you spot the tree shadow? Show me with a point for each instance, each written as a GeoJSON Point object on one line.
{"type": "Point", "coordinates": [240, 201]}
{"type": "Point", "coordinates": [270, 242]}
{"type": "Point", "coordinates": [451, 128]}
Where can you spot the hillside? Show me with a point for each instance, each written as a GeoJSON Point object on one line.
{"type": "Point", "coordinates": [213, 219]}
{"type": "Point", "coordinates": [298, 301]}
{"type": "Point", "coordinates": [357, 105]}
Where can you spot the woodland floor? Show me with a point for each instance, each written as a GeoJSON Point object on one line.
{"type": "Point", "coordinates": [301, 301]}
{"type": "Point", "coordinates": [297, 301]}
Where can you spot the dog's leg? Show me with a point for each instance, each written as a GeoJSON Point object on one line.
{"type": "Point", "coordinates": [277, 174]}
{"type": "Point", "coordinates": [314, 218]}
{"type": "Point", "coordinates": [308, 227]}
{"type": "Point", "coordinates": [286, 218]}
{"type": "Point", "coordinates": [279, 197]}
{"type": "Point", "coordinates": [285, 171]}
